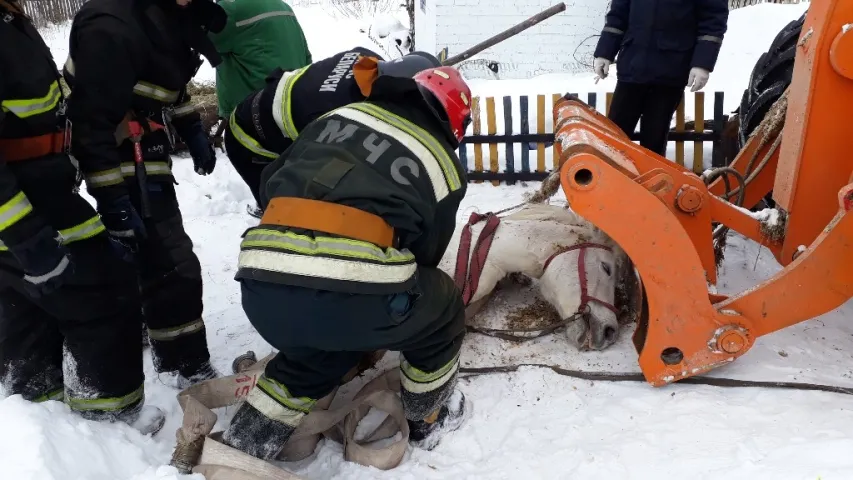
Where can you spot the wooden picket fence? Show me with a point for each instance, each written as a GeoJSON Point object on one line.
{"type": "Point", "coordinates": [487, 167]}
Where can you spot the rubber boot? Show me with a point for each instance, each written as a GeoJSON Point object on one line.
{"type": "Point", "coordinates": [255, 211]}
{"type": "Point", "coordinates": [427, 433]}
{"type": "Point", "coordinates": [145, 341]}
{"type": "Point", "coordinates": [254, 433]}
{"type": "Point", "coordinates": [187, 379]}
{"type": "Point", "coordinates": [267, 419]}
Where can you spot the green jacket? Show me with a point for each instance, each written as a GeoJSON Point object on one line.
{"type": "Point", "coordinates": [261, 35]}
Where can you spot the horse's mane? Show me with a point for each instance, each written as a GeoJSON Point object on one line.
{"type": "Point", "coordinates": [544, 212]}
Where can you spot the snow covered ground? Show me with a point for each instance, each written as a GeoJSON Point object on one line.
{"type": "Point", "coordinates": [533, 424]}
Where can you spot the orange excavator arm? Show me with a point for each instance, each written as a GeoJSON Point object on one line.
{"type": "Point", "coordinates": [664, 216]}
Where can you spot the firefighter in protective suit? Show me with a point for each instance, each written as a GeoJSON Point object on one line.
{"type": "Point", "coordinates": [265, 123]}
{"type": "Point", "coordinates": [128, 67]}
{"type": "Point", "coordinates": [359, 212]}
{"type": "Point", "coordinates": [61, 285]}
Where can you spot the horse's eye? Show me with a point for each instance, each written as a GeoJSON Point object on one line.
{"type": "Point", "coordinates": [606, 268]}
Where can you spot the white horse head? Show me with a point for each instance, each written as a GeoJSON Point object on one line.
{"type": "Point", "coordinates": [577, 265]}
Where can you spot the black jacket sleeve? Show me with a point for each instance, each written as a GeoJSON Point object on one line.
{"type": "Point", "coordinates": [106, 62]}
{"type": "Point", "coordinates": [185, 117]}
{"type": "Point", "coordinates": [615, 26]}
{"type": "Point", "coordinates": [22, 230]}
{"type": "Point", "coordinates": [712, 18]}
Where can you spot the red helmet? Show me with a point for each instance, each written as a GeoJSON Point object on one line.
{"type": "Point", "coordinates": [451, 91]}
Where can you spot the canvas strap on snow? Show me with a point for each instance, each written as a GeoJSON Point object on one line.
{"type": "Point", "coordinates": [330, 218]}
{"type": "Point", "coordinates": [218, 461]}
{"type": "Point", "coordinates": [467, 274]}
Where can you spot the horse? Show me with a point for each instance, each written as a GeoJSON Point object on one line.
{"type": "Point", "coordinates": [578, 267]}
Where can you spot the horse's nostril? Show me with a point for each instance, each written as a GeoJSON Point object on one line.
{"type": "Point", "coordinates": [609, 333]}
{"type": "Point", "coordinates": [606, 268]}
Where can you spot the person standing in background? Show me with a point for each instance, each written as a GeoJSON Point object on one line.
{"type": "Point", "coordinates": [259, 37]}
{"type": "Point", "coordinates": [663, 45]}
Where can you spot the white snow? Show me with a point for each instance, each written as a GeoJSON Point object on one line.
{"type": "Point", "coordinates": [532, 424]}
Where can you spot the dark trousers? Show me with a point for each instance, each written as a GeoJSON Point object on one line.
{"type": "Point", "coordinates": [321, 335]}
{"type": "Point", "coordinates": [248, 165]}
{"type": "Point", "coordinates": [95, 316]}
{"type": "Point", "coordinates": [170, 282]}
{"type": "Point", "coordinates": [652, 105]}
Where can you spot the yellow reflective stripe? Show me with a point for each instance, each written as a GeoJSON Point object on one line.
{"type": "Point", "coordinates": [421, 135]}
{"type": "Point", "coordinates": [128, 169]}
{"type": "Point", "coordinates": [14, 210]}
{"type": "Point", "coordinates": [613, 30]}
{"type": "Point", "coordinates": [106, 404]}
{"type": "Point", "coordinates": [166, 334]}
{"type": "Point", "coordinates": [341, 247]}
{"type": "Point", "coordinates": [104, 178]}
{"type": "Point", "coordinates": [281, 103]}
{"type": "Point", "coordinates": [282, 395]}
{"type": "Point", "coordinates": [34, 106]}
{"type": "Point", "coordinates": [183, 110]}
{"type": "Point", "coordinates": [246, 141]}
{"type": "Point", "coordinates": [57, 395]}
{"type": "Point", "coordinates": [87, 229]}
{"type": "Point", "coordinates": [115, 176]}
{"type": "Point", "coordinates": [149, 90]}
{"type": "Point", "coordinates": [418, 381]}
{"type": "Point", "coordinates": [349, 270]}
{"type": "Point", "coordinates": [81, 231]}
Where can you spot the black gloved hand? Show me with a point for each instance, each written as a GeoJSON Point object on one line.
{"type": "Point", "coordinates": [45, 261]}
{"type": "Point", "coordinates": [204, 156]}
{"type": "Point", "coordinates": [124, 226]}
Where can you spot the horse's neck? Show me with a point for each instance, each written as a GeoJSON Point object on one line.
{"type": "Point", "coordinates": [521, 246]}
{"type": "Point", "coordinates": [525, 245]}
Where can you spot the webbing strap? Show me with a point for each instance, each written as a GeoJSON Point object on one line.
{"type": "Point", "coordinates": [467, 278]}
{"type": "Point", "coordinates": [329, 217]}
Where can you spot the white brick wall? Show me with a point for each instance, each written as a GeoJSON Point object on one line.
{"type": "Point", "coordinates": [544, 48]}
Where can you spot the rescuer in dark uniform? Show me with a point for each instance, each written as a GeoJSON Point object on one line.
{"type": "Point", "coordinates": [61, 285]}
{"type": "Point", "coordinates": [264, 124]}
{"type": "Point", "coordinates": [129, 64]}
{"type": "Point", "coordinates": [359, 212]}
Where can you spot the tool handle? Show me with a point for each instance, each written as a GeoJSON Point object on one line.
{"type": "Point", "coordinates": [510, 32]}
{"type": "Point", "coordinates": [139, 167]}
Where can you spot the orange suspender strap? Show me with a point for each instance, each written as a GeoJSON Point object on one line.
{"type": "Point", "coordinates": [330, 218]}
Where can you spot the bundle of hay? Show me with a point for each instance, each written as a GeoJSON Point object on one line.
{"type": "Point", "coordinates": [203, 96]}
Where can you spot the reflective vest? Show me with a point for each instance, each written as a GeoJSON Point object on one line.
{"type": "Point", "coordinates": [366, 158]}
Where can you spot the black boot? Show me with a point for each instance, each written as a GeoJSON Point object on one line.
{"type": "Point", "coordinates": [255, 211]}
{"type": "Point", "coordinates": [145, 341]}
{"type": "Point", "coordinates": [426, 434]}
{"type": "Point", "coordinates": [253, 429]}
{"type": "Point", "coordinates": [190, 377]}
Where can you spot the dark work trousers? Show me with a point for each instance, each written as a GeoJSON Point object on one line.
{"type": "Point", "coordinates": [321, 335]}
{"type": "Point", "coordinates": [248, 165]}
{"type": "Point", "coordinates": [170, 282]}
{"type": "Point", "coordinates": [652, 105]}
{"type": "Point", "coordinates": [95, 316]}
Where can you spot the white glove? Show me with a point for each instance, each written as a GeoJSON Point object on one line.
{"type": "Point", "coordinates": [600, 66]}
{"type": "Point", "coordinates": [698, 79]}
